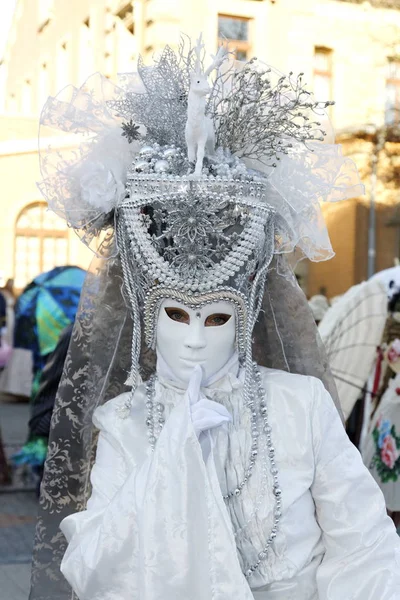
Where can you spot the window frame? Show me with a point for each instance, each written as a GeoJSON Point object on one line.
{"type": "Point", "coordinates": [324, 73]}
{"type": "Point", "coordinates": [239, 45]}
{"type": "Point", "coordinates": [124, 12]}
{"type": "Point", "coordinates": [395, 82]}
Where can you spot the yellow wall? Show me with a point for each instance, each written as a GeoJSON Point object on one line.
{"type": "Point", "coordinates": [22, 171]}
{"type": "Point", "coordinates": [348, 222]}
{"type": "Point", "coordinates": [283, 33]}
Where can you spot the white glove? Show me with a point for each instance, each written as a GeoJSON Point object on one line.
{"type": "Point", "coordinates": [206, 414]}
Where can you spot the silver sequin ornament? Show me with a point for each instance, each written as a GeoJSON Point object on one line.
{"type": "Point", "coordinates": [147, 152]}
{"type": "Point", "coordinates": [142, 166]}
{"type": "Point", "coordinates": [162, 166]}
{"type": "Point", "coordinates": [170, 153]}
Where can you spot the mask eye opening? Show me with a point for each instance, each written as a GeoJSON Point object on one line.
{"type": "Point", "coordinates": [177, 314]}
{"type": "Point", "coordinates": [217, 320]}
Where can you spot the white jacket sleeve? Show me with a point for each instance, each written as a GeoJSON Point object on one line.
{"type": "Point", "coordinates": [135, 541]}
{"type": "Point", "coordinates": [102, 537]}
{"type": "Point", "coordinates": [362, 558]}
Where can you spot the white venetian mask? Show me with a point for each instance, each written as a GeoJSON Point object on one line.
{"type": "Point", "coordinates": [188, 337]}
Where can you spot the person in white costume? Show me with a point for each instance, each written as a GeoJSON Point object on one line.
{"type": "Point", "coordinates": [203, 475]}
{"type": "Point", "coordinates": [156, 525]}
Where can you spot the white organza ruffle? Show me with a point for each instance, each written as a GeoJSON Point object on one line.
{"type": "Point", "coordinates": [84, 159]}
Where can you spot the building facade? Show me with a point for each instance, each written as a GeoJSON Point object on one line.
{"type": "Point", "coordinates": [348, 50]}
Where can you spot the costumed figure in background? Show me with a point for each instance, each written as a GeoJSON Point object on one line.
{"type": "Point", "coordinates": [45, 309]}
{"type": "Point", "coordinates": [46, 306]}
{"type": "Point", "coordinates": [381, 444]}
{"type": "Point", "coordinates": [180, 467]}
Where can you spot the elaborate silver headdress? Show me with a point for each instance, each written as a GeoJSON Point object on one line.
{"type": "Point", "coordinates": [205, 180]}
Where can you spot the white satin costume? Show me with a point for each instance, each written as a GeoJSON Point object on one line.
{"type": "Point", "coordinates": [157, 528]}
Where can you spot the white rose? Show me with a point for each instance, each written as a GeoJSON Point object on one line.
{"type": "Point", "coordinates": [99, 187]}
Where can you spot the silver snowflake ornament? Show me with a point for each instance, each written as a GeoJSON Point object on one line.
{"type": "Point", "coordinates": [131, 131]}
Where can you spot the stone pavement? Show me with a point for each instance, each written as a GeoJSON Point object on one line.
{"type": "Point", "coordinates": [18, 506]}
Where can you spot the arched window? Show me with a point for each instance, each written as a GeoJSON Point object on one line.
{"type": "Point", "coordinates": [41, 243]}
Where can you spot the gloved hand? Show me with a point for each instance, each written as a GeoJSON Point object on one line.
{"type": "Point", "coordinates": [206, 414]}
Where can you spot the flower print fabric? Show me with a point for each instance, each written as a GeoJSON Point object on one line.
{"type": "Point", "coordinates": [383, 429]}
{"type": "Point", "coordinates": [382, 449]}
{"type": "Point", "coordinates": [389, 453]}
{"type": "Point", "coordinates": [394, 351]}
{"type": "Point", "coordinates": [387, 456]}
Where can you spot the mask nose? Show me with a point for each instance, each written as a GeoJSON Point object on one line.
{"type": "Point", "coordinates": [196, 338]}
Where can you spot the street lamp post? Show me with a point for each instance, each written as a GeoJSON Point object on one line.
{"type": "Point", "coordinates": [380, 142]}
{"type": "Point", "coordinates": [372, 219]}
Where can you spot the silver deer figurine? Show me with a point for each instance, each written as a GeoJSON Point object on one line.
{"type": "Point", "coordinates": [199, 131]}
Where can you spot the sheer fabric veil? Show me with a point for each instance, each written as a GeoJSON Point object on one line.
{"type": "Point", "coordinates": [95, 371]}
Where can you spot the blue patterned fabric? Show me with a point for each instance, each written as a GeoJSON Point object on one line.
{"type": "Point", "coordinates": [46, 306]}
